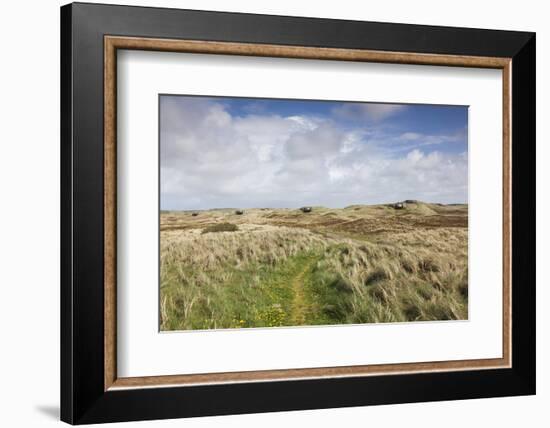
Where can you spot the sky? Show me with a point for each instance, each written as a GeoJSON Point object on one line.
{"type": "Point", "coordinates": [224, 152]}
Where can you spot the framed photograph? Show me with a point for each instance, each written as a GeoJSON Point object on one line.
{"type": "Point", "coordinates": [266, 213]}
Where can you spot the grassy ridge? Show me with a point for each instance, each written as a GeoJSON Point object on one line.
{"type": "Point", "coordinates": [279, 268]}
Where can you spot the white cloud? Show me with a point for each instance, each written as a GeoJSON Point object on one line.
{"type": "Point", "coordinates": [210, 159]}
{"type": "Point", "coordinates": [410, 136]}
{"type": "Point", "coordinates": [427, 139]}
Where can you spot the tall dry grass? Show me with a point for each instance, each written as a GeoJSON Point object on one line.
{"type": "Point", "coordinates": [415, 276]}
{"type": "Point", "coordinates": [229, 279]}
{"type": "Point", "coordinates": [242, 278]}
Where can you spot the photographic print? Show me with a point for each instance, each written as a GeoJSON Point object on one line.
{"type": "Point", "coordinates": [286, 213]}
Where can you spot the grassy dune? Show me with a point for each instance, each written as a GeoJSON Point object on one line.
{"type": "Point", "coordinates": [282, 267]}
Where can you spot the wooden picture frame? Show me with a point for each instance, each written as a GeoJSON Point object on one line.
{"type": "Point", "coordinates": [91, 390]}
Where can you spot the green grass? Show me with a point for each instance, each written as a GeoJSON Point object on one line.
{"type": "Point", "coordinates": [280, 268]}
{"type": "Point", "coordinates": [266, 296]}
{"type": "Point", "coordinates": [258, 296]}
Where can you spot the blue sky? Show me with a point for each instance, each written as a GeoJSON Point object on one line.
{"type": "Point", "coordinates": [427, 119]}
{"type": "Point", "coordinates": [245, 152]}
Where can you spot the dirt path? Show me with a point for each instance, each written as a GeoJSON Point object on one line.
{"type": "Point", "coordinates": [300, 305]}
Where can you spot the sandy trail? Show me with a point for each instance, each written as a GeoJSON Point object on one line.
{"type": "Point", "coordinates": [300, 305]}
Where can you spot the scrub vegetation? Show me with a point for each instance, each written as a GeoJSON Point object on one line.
{"type": "Point", "coordinates": [285, 267]}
